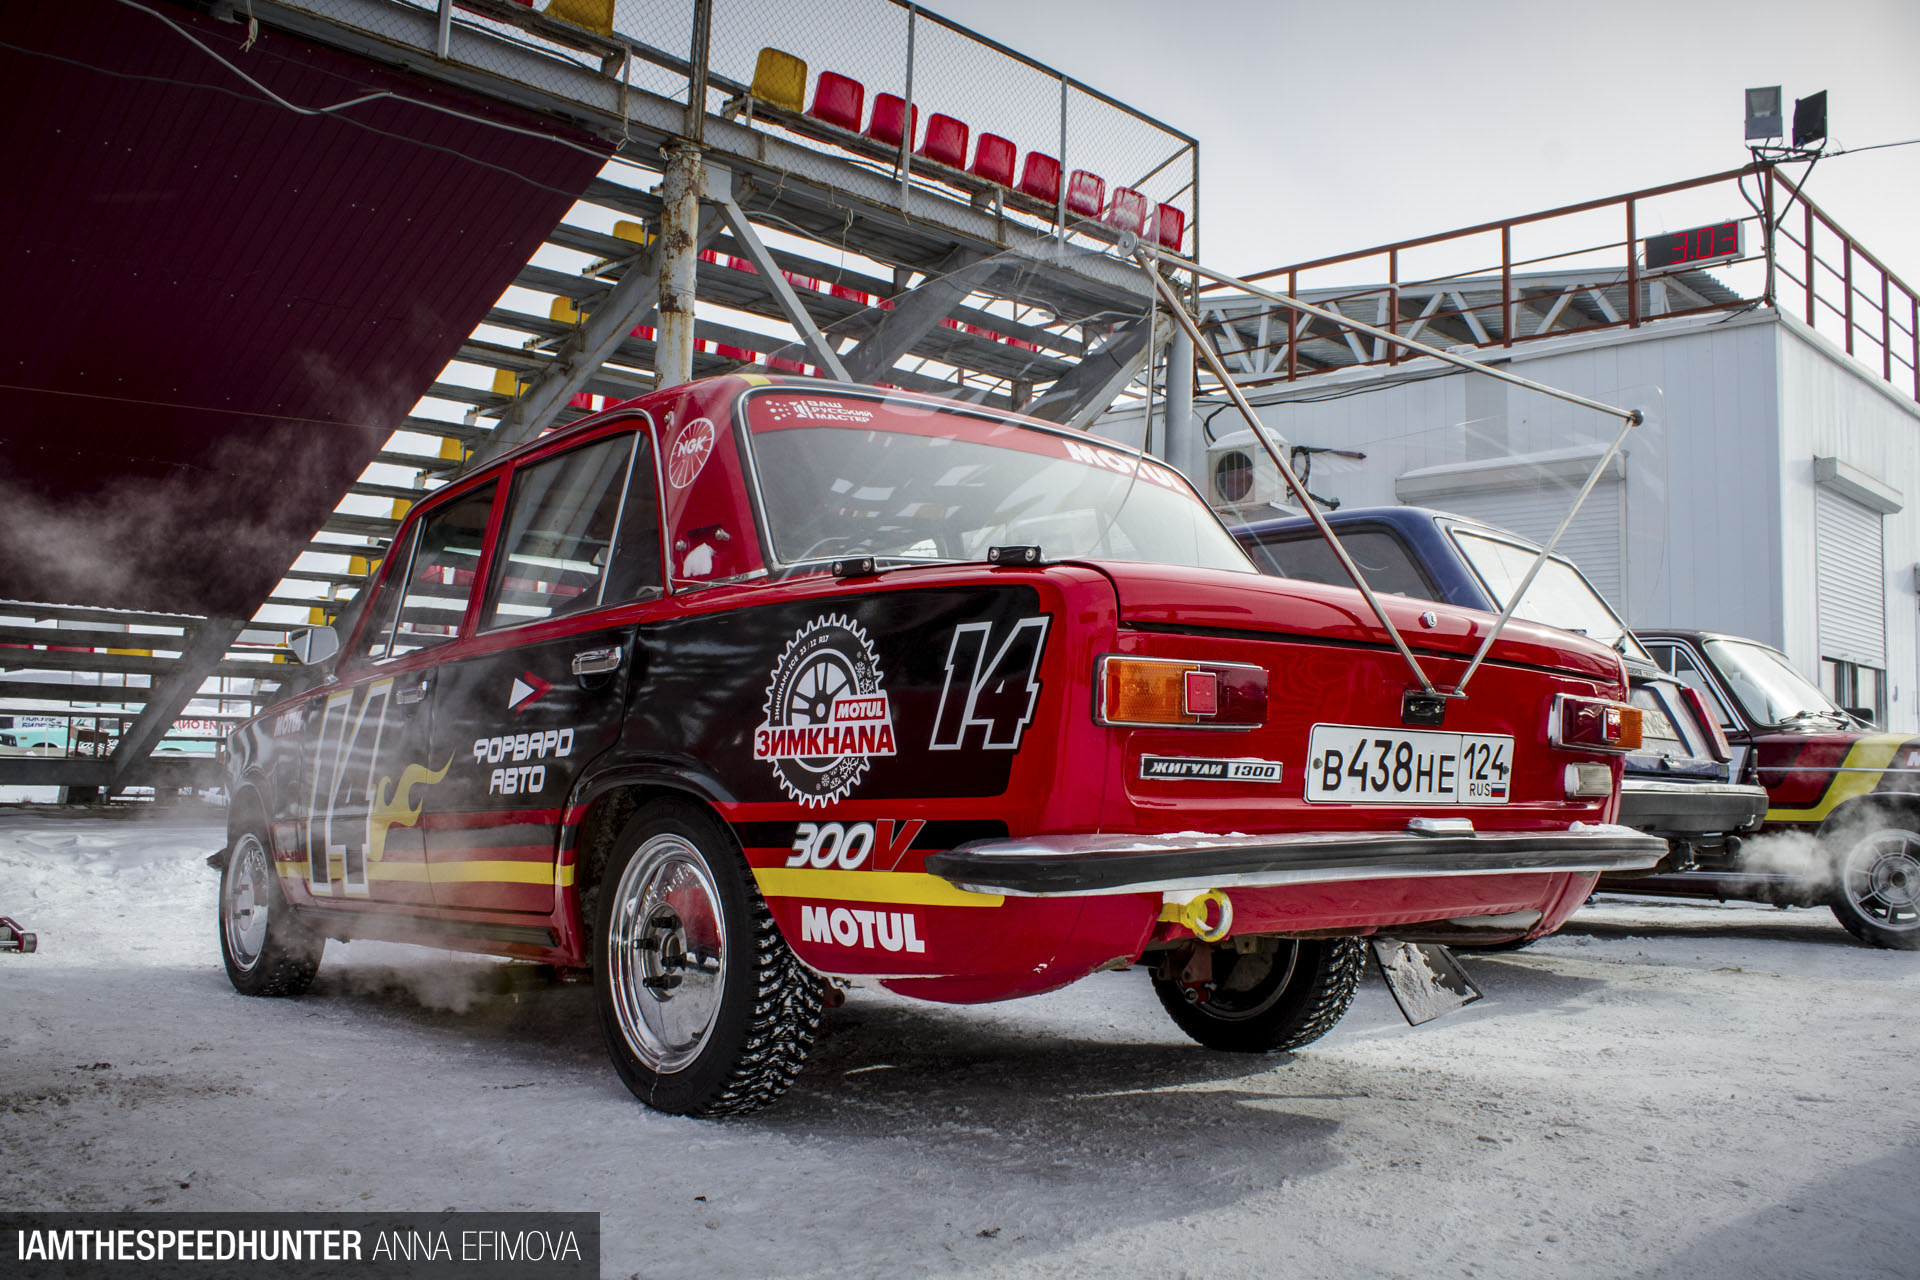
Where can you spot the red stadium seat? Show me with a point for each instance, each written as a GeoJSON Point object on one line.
{"type": "Point", "coordinates": [1040, 177]}
{"type": "Point", "coordinates": [839, 100]}
{"type": "Point", "coordinates": [993, 159]}
{"type": "Point", "coordinates": [889, 114]}
{"type": "Point", "coordinates": [946, 141]}
{"type": "Point", "coordinates": [1128, 212]}
{"type": "Point", "coordinates": [1169, 226]}
{"type": "Point", "coordinates": [1086, 193]}
{"type": "Point", "coordinates": [851, 294]}
{"type": "Point", "coordinates": [738, 353]}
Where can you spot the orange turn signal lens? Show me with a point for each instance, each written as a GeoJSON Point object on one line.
{"type": "Point", "coordinates": [1595, 724]}
{"type": "Point", "coordinates": [1162, 691]}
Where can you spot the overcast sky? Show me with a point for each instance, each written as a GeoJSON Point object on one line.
{"type": "Point", "coordinates": [1326, 128]}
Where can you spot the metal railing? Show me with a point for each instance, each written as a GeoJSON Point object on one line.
{"type": "Point", "coordinates": [888, 46]}
{"type": "Point", "coordinates": [1581, 267]}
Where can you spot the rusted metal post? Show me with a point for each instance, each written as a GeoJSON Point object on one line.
{"type": "Point", "coordinates": [1294, 326]}
{"type": "Point", "coordinates": [680, 185]}
{"type": "Point", "coordinates": [1846, 285]}
{"type": "Point", "coordinates": [1506, 285]}
{"type": "Point", "coordinates": [1393, 304]}
{"type": "Point", "coordinates": [1886, 328]}
{"type": "Point", "coordinates": [679, 262]}
{"type": "Point", "coordinates": [1633, 271]}
{"type": "Point", "coordinates": [1807, 210]}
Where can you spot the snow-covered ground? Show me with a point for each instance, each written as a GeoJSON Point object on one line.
{"type": "Point", "coordinates": [1663, 1090]}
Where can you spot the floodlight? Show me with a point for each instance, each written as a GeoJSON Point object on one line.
{"type": "Point", "coordinates": [1810, 119]}
{"type": "Point", "coordinates": [1763, 114]}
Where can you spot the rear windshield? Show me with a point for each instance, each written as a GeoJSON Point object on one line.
{"type": "Point", "coordinates": [1380, 556]}
{"type": "Point", "coordinates": [1558, 596]}
{"type": "Point", "coordinates": [904, 482]}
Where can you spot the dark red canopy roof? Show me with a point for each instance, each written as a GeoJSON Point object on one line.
{"type": "Point", "coordinates": [217, 308]}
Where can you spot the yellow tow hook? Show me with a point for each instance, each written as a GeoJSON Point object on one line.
{"type": "Point", "coordinates": [1192, 910]}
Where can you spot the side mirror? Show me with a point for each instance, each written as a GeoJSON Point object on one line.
{"type": "Point", "coordinates": [313, 645]}
{"type": "Point", "coordinates": [1863, 714]}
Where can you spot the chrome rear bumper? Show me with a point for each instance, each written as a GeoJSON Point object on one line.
{"type": "Point", "coordinates": [1078, 865]}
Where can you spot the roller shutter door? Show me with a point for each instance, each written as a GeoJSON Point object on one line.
{"type": "Point", "coordinates": [1849, 579]}
{"type": "Point", "coordinates": [1595, 541]}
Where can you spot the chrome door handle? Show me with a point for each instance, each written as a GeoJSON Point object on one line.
{"type": "Point", "coordinates": [593, 662]}
{"type": "Point", "coordinates": [410, 693]}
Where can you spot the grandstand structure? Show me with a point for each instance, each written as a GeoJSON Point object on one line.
{"type": "Point", "coordinates": [362, 244]}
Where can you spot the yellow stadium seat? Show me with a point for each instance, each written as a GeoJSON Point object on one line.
{"type": "Point", "coordinates": [564, 312]}
{"type": "Point", "coordinates": [781, 79]}
{"type": "Point", "coordinates": [594, 15]}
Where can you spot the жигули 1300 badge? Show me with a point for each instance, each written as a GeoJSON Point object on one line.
{"type": "Point", "coordinates": [827, 714]}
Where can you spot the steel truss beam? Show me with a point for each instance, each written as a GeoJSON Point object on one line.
{"type": "Point", "coordinates": [200, 657]}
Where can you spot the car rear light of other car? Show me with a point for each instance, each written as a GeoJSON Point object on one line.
{"type": "Point", "coordinates": [1166, 692]}
{"type": "Point", "coordinates": [1717, 745]}
{"type": "Point", "coordinates": [1594, 723]}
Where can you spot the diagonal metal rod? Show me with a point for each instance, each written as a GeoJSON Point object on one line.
{"type": "Point", "coordinates": [1186, 322]}
{"type": "Point", "coordinates": [1630, 418]}
{"type": "Point", "coordinates": [1539, 561]}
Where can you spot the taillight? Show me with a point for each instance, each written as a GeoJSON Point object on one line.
{"type": "Point", "coordinates": [1717, 745]}
{"type": "Point", "coordinates": [1160, 692]}
{"type": "Point", "coordinates": [1594, 723]}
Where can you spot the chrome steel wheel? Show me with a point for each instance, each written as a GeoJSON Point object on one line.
{"type": "Point", "coordinates": [666, 953]}
{"type": "Point", "coordinates": [1878, 897]}
{"type": "Point", "coordinates": [246, 898]}
{"type": "Point", "coordinates": [268, 951]}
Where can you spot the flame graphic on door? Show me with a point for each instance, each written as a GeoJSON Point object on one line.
{"type": "Point", "coordinates": [396, 809]}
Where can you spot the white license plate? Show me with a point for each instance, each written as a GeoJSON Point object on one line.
{"type": "Point", "coordinates": [1354, 764]}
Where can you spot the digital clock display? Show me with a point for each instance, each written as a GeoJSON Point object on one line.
{"type": "Point", "coordinates": [1698, 244]}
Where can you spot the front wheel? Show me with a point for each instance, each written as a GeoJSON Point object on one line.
{"type": "Point", "coordinates": [1281, 994]}
{"type": "Point", "coordinates": [705, 1009]}
{"type": "Point", "coordinates": [1876, 891]}
{"type": "Point", "coordinates": [267, 951]}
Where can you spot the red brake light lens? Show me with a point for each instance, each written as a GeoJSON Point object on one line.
{"type": "Point", "coordinates": [1166, 692]}
{"type": "Point", "coordinates": [1717, 745]}
{"type": "Point", "coordinates": [1595, 724]}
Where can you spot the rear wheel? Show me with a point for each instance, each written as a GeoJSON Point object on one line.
{"type": "Point", "coordinates": [705, 1009]}
{"type": "Point", "coordinates": [267, 951]}
{"type": "Point", "coordinates": [1876, 891]}
{"type": "Point", "coordinates": [1280, 995]}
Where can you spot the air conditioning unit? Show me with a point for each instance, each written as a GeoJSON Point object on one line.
{"type": "Point", "coordinates": [1241, 481]}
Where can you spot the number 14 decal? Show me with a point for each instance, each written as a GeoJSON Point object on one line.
{"type": "Point", "coordinates": [994, 687]}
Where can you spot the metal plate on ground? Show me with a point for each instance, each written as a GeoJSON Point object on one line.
{"type": "Point", "coordinates": [1425, 979]}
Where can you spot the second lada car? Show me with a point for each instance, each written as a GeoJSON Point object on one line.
{"type": "Point", "coordinates": [748, 683]}
{"type": "Point", "coordinates": [1677, 785]}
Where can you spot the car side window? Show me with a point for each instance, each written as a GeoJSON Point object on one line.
{"type": "Point", "coordinates": [582, 531]}
{"type": "Point", "coordinates": [425, 596]}
{"type": "Point", "coordinates": [1688, 673]}
{"type": "Point", "coordinates": [378, 634]}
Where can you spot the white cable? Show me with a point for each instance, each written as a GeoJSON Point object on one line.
{"type": "Point", "coordinates": [354, 102]}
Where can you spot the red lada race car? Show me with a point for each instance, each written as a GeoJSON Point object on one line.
{"type": "Point", "coordinates": [751, 683]}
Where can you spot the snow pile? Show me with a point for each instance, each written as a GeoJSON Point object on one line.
{"type": "Point", "coordinates": [1662, 1090]}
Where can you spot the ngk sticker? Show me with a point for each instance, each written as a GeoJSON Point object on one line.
{"type": "Point", "coordinates": [827, 714]}
{"type": "Point", "coordinates": [689, 452]}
